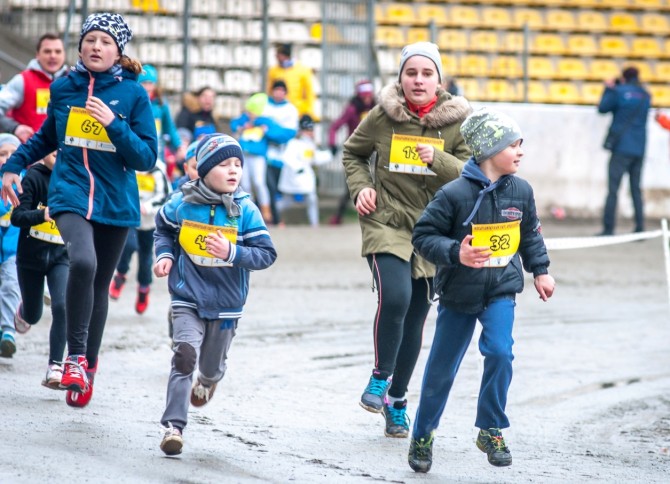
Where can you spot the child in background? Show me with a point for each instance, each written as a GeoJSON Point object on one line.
{"type": "Point", "coordinates": [190, 167]}
{"type": "Point", "coordinates": [209, 236]}
{"type": "Point", "coordinates": [154, 189]}
{"type": "Point", "coordinates": [10, 295]}
{"type": "Point", "coordinates": [297, 181]}
{"type": "Point", "coordinates": [474, 231]}
{"type": "Point", "coordinates": [41, 256]}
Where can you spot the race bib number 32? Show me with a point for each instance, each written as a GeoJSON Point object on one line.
{"type": "Point", "coordinates": [84, 131]}
{"type": "Point", "coordinates": [502, 239]}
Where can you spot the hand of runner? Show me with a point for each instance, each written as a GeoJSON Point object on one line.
{"type": "Point", "coordinates": [474, 257]}
{"type": "Point", "coordinates": [366, 201]}
{"type": "Point", "coordinates": [218, 245]}
{"type": "Point", "coordinates": [426, 153]}
{"type": "Point", "coordinates": [99, 110]}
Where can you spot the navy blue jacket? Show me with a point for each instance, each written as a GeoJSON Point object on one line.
{"type": "Point", "coordinates": [629, 104]}
{"type": "Point", "coordinates": [98, 185]}
{"type": "Point", "coordinates": [446, 221]}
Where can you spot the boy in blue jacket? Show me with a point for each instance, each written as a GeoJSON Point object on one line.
{"type": "Point", "coordinates": [477, 230]}
{"type": "Point", "coordinates": [208, 237]}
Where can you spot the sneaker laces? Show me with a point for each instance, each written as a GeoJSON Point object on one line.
{"type": "Point", "coordinates": [422, 447]}
{"type": "Point", "coordinates": [377, 387]}
{"type": "Point", "coordinates": [77, 371]}
{"type": "Point", "coordinates": [202, 392]}
{"type": "Point", "coordinates": [169, 430]}
{"type": "Point", "coordinates": [399, 415]}
{"type": "Point", "coordinates": [497, 440]}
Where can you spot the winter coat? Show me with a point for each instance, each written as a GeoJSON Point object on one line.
{"type": "Point", "coordinates": [98, 185]}
{"type": "Point", "coordinates": [297, 175]}
{"type": "Point", "coordinates": [33, 252]}
{"type": "Point", "coordinates": [629, 104]}
{"type": "Point", "coordinates": [447, 220]}
{"type": "Point", "coordinates": [255, 140]}
{"type": "Point", "coordinates": [9, 233]}
{"type": "Point", "coordinates": [165, 126]}
{"type": "Point", "coordinates": [217, 289]}
{"type": "Point", "coordinates": [402, 197]}
{"type": "Point", "coordinates": [154, 190]}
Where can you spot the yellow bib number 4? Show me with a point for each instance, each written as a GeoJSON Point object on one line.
{"type": "Point", "coordinates": [193, 239]}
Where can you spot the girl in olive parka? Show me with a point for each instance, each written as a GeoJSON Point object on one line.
{"type": "Point", "coordinates": [414, 139]}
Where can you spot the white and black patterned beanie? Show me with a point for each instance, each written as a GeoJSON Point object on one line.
{"type": "Point", "coordinates": [110, 23]}
{"type": "Point", "coordinates": [488, 132]}
{"type": "Point", "coordinates": [215, 148]}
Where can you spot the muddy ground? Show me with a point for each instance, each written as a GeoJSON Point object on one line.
{"type": "Point", "coordinates": [590, 399]}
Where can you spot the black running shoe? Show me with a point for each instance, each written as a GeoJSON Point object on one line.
{"type": "Point", "coordinates": [420, 456]}
{"type": "Point", "coordinates": [492, 443]}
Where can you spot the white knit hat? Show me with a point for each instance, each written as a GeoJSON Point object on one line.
{"type": "Point", "coordinates": [426, 49]}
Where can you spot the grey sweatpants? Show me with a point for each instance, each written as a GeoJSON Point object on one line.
{"type": "Point", "coordinates": [197, 343]}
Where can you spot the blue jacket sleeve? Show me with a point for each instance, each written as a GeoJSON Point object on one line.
{"type": "Point", "coordinates": [431, 232]}
{"type": "Point", "coordinates": [135, 138]}
{"type": "Point", "coordinates": [257, 252]}
{"type": "Point", "coordinates": [275, 132]}
{"type": "Point", "coordinates": [168, 127]}
{"type": "Point", "coordinates": [37, 147]}
{"type": "Point", "coordinates": [167, 228]}
{"type": "Point", "coordinates": [608, 101]}
{"type": "Point", "coordinates": [238, 122]}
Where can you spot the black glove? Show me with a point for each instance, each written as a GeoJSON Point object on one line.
{"type": "Point", "coordinates": [333, 149]}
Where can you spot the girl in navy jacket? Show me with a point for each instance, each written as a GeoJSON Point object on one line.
{"type": "Point", "coordinates": [100, 121]}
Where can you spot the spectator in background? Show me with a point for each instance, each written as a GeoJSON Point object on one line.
{"type": "Point", "coordinates": [24, 99]}
{"type": "Point", "coordinates": [299, 80]}
{"type": "Point", "coordinates": [165, 127]}
{"type": "Point", "coordinates": [452, 88]}
{"type": "Point", "coordinates": [197, 112]}
{"type": "Point", "coordinates": [285, 115]}
{"type": "Point", "coordinates": [629, 104]}
{"type": "Point", "coordinates": [357, 108]}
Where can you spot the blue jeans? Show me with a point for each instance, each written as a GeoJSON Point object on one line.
{"type": "Point", "coordinates": [618, 166]}
{"type": "Point", "coordinates": [453, 334]}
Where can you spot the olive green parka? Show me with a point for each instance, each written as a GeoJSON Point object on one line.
{"type": "Point", "coordinates": [401, 197]}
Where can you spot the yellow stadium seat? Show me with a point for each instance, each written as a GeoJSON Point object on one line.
{"type": "Point", "coordinates": [461, 16]}
{"type": "Point", "coordinates": [528, 16]}
{"type": "Point", "coordinates": [471, 89]}
{"type": "Point", "coordinates": [591, 92]}
{"type": "Point", "coordinates": [506, 66]}
{"type": "Point", "coordinates": [604, 69]}
{"type": "Point", "coordinates": [613, 45]}
{"type": "Point", "coordinates": [399, 14]}
{"type": "Point", "coordinates": [434, 13]}
{"type": "Point", "coordinates": [486, 40]}
{"type": "Point", "coordinates": [613, 4]}
{"type": "Point", "coordinates": [473, 65]}
{"type": "Point", "coordinates": [564, 92]}
{"type": "Point", "coordinates": [655, 23]}
{"type": "Point", "coordinates": [561, 19]}
{"type": "Point", "coordinates": [537, 92]}
{"type": "Point", "coordinates": [572, 68]}
{"type": "Point", "coordinates": [662, 71]}
{"type": "Point", "coordinates": [646, 72]}
{"type": "Point", "coordinates": [418, 34]}
{"type": "Point", "coordinates": [541, 68]}
{"type": "Point", "coordinates": [646, 47]}
{"type": "Point", "coordinates": [496, 18]}
{"type": "Point", "coordinates": [449, 64]}
{"type": "Point", "coordinates": [660, 96]}
{"type": "Point", "coordinates": [584, 45]}
{"type": "Point", "coordinates": [390, 36]}
{"type": "Point", "coordinates": [151, 6]}
{"type": "Point", "coordinates": [501, 90]}
{"type": "Point", "coordinates": [547, 44]}
{"type": "Point", "coordinates": [591, 21]}
{"type": "Point", "coordinates": [650, 4]}
{"type": "Point", "coordinates": [512, 42]}
{"type": "Point", "coordinates": [623, 23]}
{"type": "Point", "coordinates": [452, 40]}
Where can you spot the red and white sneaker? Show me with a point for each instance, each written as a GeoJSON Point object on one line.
{"type": "Point", "coordinates": [116, 286]}
{"type": "Point", "coordinates": [80, 400]}
{"type": "Point", "coordinates": [20, 324]}
{"type": "Point", "coordinates": [74, 374]}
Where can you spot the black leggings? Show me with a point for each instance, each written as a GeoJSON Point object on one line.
{"type": "Point", "coordinates": [402, 307]}
{"type": "Point", "coordinates": [31, 282]}
{"type": "Point", "coordinates": [94, 250]}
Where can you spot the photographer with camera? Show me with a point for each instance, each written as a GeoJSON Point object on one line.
{"type": "Point", "coordinates": [626, 139]}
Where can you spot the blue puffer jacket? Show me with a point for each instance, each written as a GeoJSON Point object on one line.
{"type": "Point", "coordinates": [9, 234]}
{"type": "Point", "coordinates": [446, 221]}
{"type": "Point", "coordinates": [216, 292]}
{"type": "Point", "coordinates": [629, 104]}
{"type": "Point", "coordinates": [98, 185]}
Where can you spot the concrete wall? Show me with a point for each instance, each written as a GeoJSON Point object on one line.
{"type": "Point", "coordinates": [567, 166]}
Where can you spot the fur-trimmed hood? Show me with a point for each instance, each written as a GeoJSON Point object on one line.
{"type": "Point", "coordinates": [449, 109]}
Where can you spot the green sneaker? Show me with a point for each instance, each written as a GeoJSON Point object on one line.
{"type": "Point", "coordinates": [420, 456]}
{"type": "Point", "coordinates": [492, 443]}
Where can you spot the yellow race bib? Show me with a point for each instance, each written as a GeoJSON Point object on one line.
{"type": "Point", "coordinates": [502, 239]}
{"type": "Point", "coordinates": [159, 126]}
{"type": "Point", "coordinates": [46, 231]}
{"type": "Point", "coordinates": [5, 219]}
{"type": "Point", "coordinates": [252, 134]}
{"type": "Point", "coordinates": [405, 159]}
{"type": "Point", "coordinates": [42, 97]}
{"type": "Point", "coordinates": [193, 236]}
{"type": "Point", "coordinates": [84, 131]}
{"type": "Point", "coordinates": [146, 183]}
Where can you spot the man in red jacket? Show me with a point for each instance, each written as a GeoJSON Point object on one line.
{"type": "Point", "coordinates": [24, 99]}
